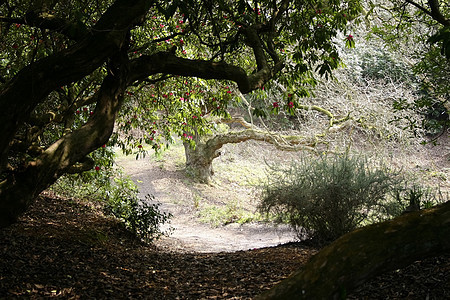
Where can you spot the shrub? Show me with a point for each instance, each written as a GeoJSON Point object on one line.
{"type": "Point", "coordinates": [328, 196]}
{"type": "Point", "coordinates": [119, 198]}
{"type": "Point", "coordinates": [140, 217]}
{"type": "Point", "coordinates": [382, 65]}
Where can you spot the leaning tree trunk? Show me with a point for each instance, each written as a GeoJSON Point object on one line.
{"type": "Point", "coordinates": [19, 189]}
{"type": "Point", "coordinates": [199, 158]}
{"type": "Point", "coordinates": [366, 252]}
{"type": "Point", "coordinates": [20, 96]}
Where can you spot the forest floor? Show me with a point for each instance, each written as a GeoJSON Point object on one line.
{"type": "Point", "coordinates": [67, 248]}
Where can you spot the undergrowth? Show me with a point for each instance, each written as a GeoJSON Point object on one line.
{"type": "Point", "coordinates": [119, 197]}
{"type": "Point", "coordinates": [325, 197]}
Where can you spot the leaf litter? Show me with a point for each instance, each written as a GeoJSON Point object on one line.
{"type": "Point", "coordinates": [66, 248]}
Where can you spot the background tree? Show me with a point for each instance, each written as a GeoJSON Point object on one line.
{"type": "Point", "coordinates": [424, 24]}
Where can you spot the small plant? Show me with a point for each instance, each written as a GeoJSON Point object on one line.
{"type": "Point", "coordinates": [326, 197]}
{"type": "Point", "coordinates": [139, 216]}
{"type": "Point", "coordinates": [197, 200]}
{"type": "Point", "coordinates": [413, 198]}
{"type": "Point", "coordinates": [119, 197]}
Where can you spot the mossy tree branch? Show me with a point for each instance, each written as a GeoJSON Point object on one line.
{"type": "Point", "coordinates": [199, 159]}
{"type": "Point", "coordinates": [367, 252]}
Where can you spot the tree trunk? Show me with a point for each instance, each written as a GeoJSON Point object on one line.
{"type": "Point", "coordinates": [199, 159]}
{"type": "Point", "coordinates": [19, 189]}
{"type": "Point", "coordinates": [367, 252]}
{"type": "Point", "coordinates": [197, 165]}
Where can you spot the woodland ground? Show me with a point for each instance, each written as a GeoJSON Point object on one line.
{"type": "Point", "coordinates": [68, 248]}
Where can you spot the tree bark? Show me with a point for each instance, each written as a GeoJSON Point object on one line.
{"type": "Point", "coordinates": [20, 188]}
{"type": "Point", "coordinates": [199, 159]}
{"type": "Point", "coordinates": [367, 252]}
{"type": "Point", "coordinates": [33, 83]}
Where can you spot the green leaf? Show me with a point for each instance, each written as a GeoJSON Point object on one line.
{"type": "Point", "coordinates": [257, 112]}
{"type": "Point", "coordinates": [349, 43]}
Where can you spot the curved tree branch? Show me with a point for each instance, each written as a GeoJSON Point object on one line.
{"type": "Point", "coordinates": [33, 83]}
{"type": "Point", "coordinates": [434, 11]}
{"type": "Point", "coordinates": [254, 41]}
{"type": "Point", "coordinates": [437, 14]}
{"type": "Point", "coordinates": [281, 142]}
{"type": "Point", "coordinates": [420, 7]}
{"type": "Point", "coordinates": [167, 62]}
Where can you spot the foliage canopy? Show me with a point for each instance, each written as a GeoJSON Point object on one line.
{"type": "Point", "coordinates": [70, 70]}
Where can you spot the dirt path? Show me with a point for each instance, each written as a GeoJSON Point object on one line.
{"type": "Point", "coordinates": [237, 172]}
{"type": "Point", "coordinates": [178, 196]}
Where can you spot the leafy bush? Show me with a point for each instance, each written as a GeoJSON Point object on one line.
{"type": "Point", "coordinates": [118, 196]}
{"type": "Point", "coordinates": [142, 218]}
{"type": "Point", "coordinates": [327, 197]}
{"type": "Point", "coordinates": [380, 64]}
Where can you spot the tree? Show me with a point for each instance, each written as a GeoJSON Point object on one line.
{"type": "Point", "coordinates": [83, 56]}
{"type": "Point", "coordinates": [199, 159]}
{"type": "Point", "coordinates": [426, 24]}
